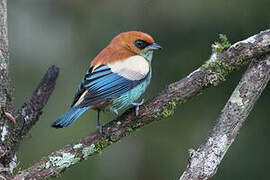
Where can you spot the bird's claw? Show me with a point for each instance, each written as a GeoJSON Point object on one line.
{"type": "Point", "coordinates": [99, 128]}
{"type": "Point", "coordinates": [137, 106]}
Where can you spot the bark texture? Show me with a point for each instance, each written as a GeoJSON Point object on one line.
{"type": "Point", "coordinates": [224, 59]}
{"type": "Point", "coordinates": [6, 107]}
{"type": "Point", "coordinates": [14, 125]}
{"type": "Point", "coordinates": [17, 124]}
{"type": "Point", "coordinates": [203, 162]}
{"type": "Point", "coordinates": [29, 113]}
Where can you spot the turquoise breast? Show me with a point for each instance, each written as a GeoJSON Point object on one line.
{"type": "Point", "coordinates": [134, 94]}
{"type": "Point", "coordinates": [131, 96]}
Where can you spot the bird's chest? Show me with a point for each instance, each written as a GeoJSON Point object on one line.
{"type": "Point", "coordinates": [131, 96]}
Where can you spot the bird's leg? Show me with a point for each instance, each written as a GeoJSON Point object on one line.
{"type": "Point", "coordinates": [99, 126]}
{"type": "Point", "coordinates": [114, 111]}
{"type": "Point", "coordinates": [137, 106]}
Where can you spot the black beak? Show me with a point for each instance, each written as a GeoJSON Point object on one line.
{"type": "Point", "coordinates": [154, 46]}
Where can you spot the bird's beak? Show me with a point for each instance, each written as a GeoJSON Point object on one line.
{"type": "Point", "coordinates": [154, 46]}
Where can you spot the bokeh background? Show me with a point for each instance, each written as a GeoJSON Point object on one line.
{"type": "Point", "coordinates": [69, 33]}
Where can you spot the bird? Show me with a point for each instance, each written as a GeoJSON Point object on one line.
{"type": "Point", "coordinates": [116, 79]}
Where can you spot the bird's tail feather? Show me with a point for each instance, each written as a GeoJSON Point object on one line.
{"type": "Point", "coordinates": [69, 117]}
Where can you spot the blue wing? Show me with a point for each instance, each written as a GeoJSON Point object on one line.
{"type": "Point", "coordinates": [102, 84]}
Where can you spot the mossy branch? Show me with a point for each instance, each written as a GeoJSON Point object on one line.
{"type": "Point", "coordinates": [203, 162]}
{"type": "Point", "coordinates": [223, 61]}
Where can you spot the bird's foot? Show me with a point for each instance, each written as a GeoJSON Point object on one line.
{"type": "Point", "coordinates": [137, 106]}
{"type": "Point", "coordinates": [115, 111]}
{"type": "Point", "coordinates": [99, 128]}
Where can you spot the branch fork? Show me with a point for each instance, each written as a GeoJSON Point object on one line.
{"type": "Point", "coordinates": [203, 162]}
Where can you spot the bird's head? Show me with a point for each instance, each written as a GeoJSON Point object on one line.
{"type": "Point", "coordinates": [137, 42]}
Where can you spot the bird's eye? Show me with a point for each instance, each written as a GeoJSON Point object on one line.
{"type": "Point", "coordinates": [141, 44]}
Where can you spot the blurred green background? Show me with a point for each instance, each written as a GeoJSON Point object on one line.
{"type": "Point", "coordinates": [69, 33]}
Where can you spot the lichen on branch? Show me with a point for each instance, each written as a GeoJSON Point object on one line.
{"type": "Point", "coordinates": [204, 161]}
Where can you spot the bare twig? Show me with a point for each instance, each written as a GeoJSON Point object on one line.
{"type": "Point", "coordinates": [162, 106]}
{"type": "Point", "coordinates": [204, 161]}
{"type": "Point", "coordinates": [28, 115]}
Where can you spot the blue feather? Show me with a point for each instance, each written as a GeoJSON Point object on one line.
{"type": "Point", "coordinates": [102, 84]}
{"type": "Point", "coordinates": [69, 117]}
{"type": "Point", "coordinates": [130, 96]}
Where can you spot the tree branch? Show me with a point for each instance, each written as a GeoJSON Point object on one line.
{"type": "Point", "coordinates": [204, 161]}
{"type": "Point", "coordinates": [27, 116]}
{"type": "Point", "coordinates": [4, 55]}
{"type": "Point", "coordinates": [29, 113]}
{"type": "Point", "coordinates": [12, 132]}
{"type": "Point", "coordinates": [6, 106]}
{"type": "Point", "coordinates": [13, 129]}
{"type": "Point", "coordinates": [215, 70]}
